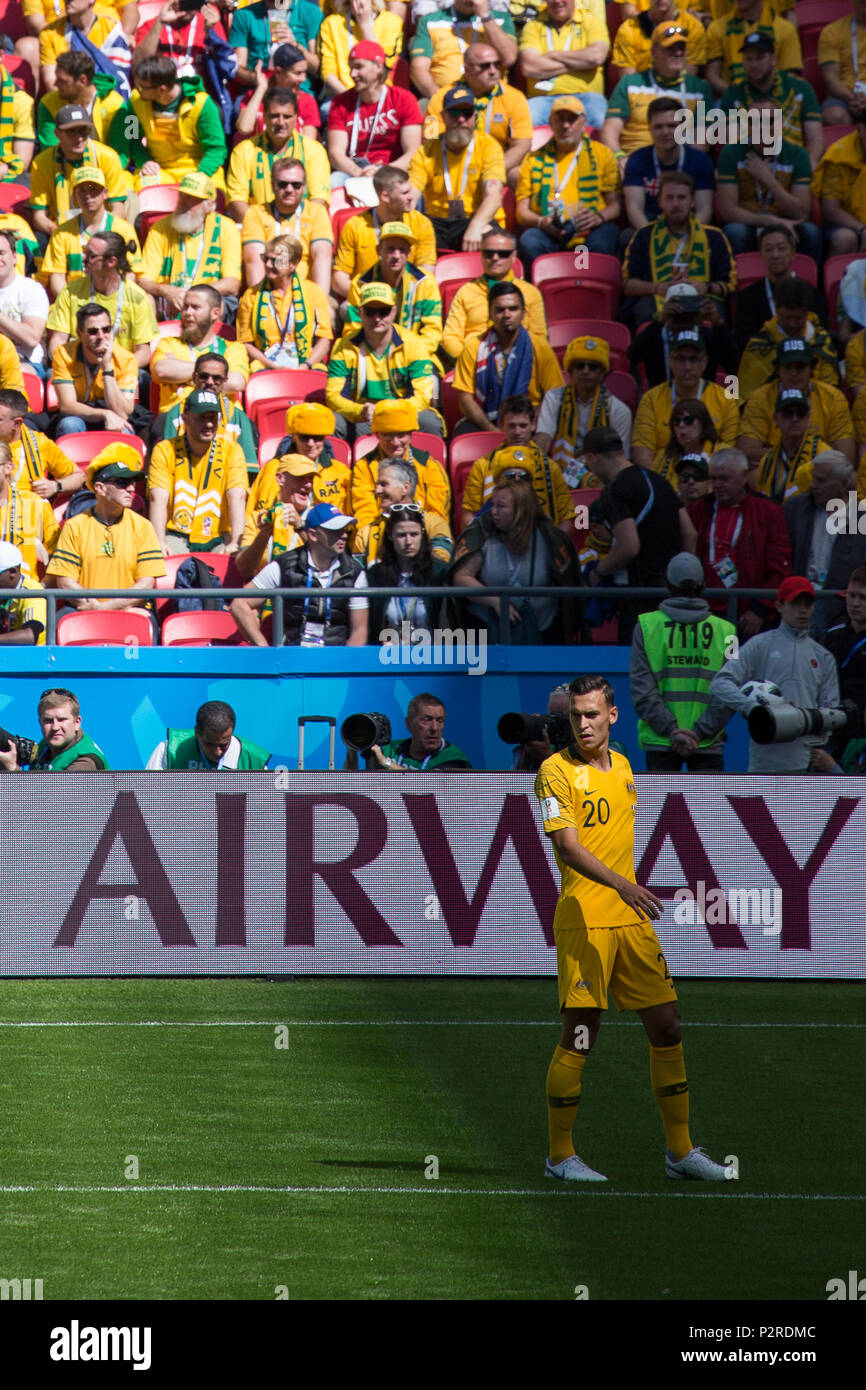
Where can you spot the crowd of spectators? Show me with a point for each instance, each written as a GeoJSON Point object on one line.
{"type": "Point", "coordinates": [192, 200]}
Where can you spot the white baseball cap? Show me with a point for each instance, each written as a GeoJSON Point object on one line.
{"type": "Point", "coordinates": [10, 556]}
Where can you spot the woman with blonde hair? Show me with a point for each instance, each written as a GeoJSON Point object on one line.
{"type": "Point", "coordinates": [284, 321]}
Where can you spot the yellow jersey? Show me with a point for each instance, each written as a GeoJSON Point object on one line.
{"type": "Point", "coordinates": [197, 487]}
{"type": "Point", "coordinates": [309, 223]}
{"type": "Point", "coordinates": [467, 172]}
{"type": "Point", "coordinates": [358, 250]}
{"type": "Point", "coordinates": [108, 556]}
{"type": "Point", "coordinates": [601, 807]}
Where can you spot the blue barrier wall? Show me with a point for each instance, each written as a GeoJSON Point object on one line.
{"type": "Point", "coordinates": [130, 695]}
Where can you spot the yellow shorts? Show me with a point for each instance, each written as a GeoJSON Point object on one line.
{"type": "Point", "coordinates": [628, 960]}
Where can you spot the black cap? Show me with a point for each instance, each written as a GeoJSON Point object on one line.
{"type": "Point", "coordinates": [696, 461]}
{"type": "Point", "coordinates": [759, 42]}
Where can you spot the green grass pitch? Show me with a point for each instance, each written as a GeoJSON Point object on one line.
{"type": "Point", "coordinates": [327, 1141]}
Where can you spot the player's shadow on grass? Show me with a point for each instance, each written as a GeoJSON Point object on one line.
{"type": "Point", "coordinates": [396, 1166]}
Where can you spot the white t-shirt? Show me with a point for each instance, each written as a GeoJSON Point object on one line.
{"type": "Point", "coordinates": [548, 414]}
{"type": "Point", "coordinates": [23, 299]}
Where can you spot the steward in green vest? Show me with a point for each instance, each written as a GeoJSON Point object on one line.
{"type": "Point", "coordinates": [82, 750]}
{"type": "Point", "coordinates": [183, 752]}
{"type": "Point", "coordinates": [675, 653]}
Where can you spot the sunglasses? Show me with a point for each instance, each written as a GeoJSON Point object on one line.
{"type": "Point", "coordinates": [689, 477]}
{"type": "Point", "coordinates": [498, 255]}
{"type": "Point", "coordinates": [685, 420]}
{"type": "Point", "coordinates": [376, 311]}
{"type": "Point", "coordinates": [797, 412]}
{"type": "Point", "coordinates": [287, 183]}
{"type": "Point", "coordinates": [412, 507]}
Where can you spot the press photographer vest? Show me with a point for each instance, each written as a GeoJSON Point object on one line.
{"type": "Point", "coordinates": [183, 753]}
{"type": "Point", "coordinates": [293, 575]}
{"type": "Point", "coordinates": [683, 657]}
{"type": "Point", "coordinates": [83, 747]}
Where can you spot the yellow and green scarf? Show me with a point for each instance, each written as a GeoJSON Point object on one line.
{"type": "Point", "coordinates": [210, 265]}
{"type": "Point", "coordinates": [563, 447]}
{"type": "Point", "coordinates": [663, 244]}
{"type": "Point", "coordinates": [776, 471]}
{"type": "Point", "coordinates": [303, 330]}
{"type": "Point", "coordinates": [543, 176]}
{"type": "Point", "coordinates": [8, 89]}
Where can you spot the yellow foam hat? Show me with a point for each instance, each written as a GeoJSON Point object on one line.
{"type": "Point", "coordinates": [309, 417]}
{"type": "Point", "coordinates": [587, 350]}
{"type": "Point", "coordinates": [122, 455]}
{"type": "Point", "coordinates": [521, 456]}
{"type": "Point", "coordinates": [396, 416]}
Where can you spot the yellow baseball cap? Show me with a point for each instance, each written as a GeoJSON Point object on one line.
{"type": "Point", "coordinates": [395, 416]}
{"type": "Point", "coordinates": [397, 229]}
{"type": "Point", "coordinates": [378, 293]}
{"type": "Point", "coordinates": [197, 185]}
{"type": "Point", "coordinates": [568, 104]}
{"type": "Point", "coordinates": [296, 466]}
{"type": "Point", "coordinates": [669, 33]}
{"type": "Point", "coordinates": [587, 350]}
{"type": "Point", "coordinates": [88, 173]}
{"type": "Point", "coordinates": [309, 417]}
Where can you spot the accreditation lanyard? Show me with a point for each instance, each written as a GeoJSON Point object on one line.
{"type": "Point", "coordinates": [426, 760]}
{"type": "Point", "coordinates": [548, 34]}
{"type": "Point", "coordinates": [117, 316]}
{"type": "Point", "coordinates": [854, 48]}
{"type": "Point", "coordinates": [287, 329]}
{"type": "Point", "coordinates": [768, 291]}
{"type": "Point", "coordinates": [701, 388]}
{"type": "Point", "coordinates": [311, 570]}
{"type": "Point", "coordinates": [185, 66]}
{"type": "Point", "coordinates": [666, 91]}
{"type": "Point", "coordinates": [356, 123]}
{"type": "Point", "coordinates": [712, 535]}
{"type": "Point", "coordinates": [681, 159]}
{"type": "Point", "coordinates": [446, 172]}
{"type": "Point", "coordinates": [190, 276]}
{"type": "Point", "coordinates": [559, 186]}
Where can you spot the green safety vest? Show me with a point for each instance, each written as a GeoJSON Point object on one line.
{"type": "Point", "coordinates": [183, 752]}
{"type": "Point", "coordinates": [83, 747]}
{"type": "Point", "coordinates": [684, 658]}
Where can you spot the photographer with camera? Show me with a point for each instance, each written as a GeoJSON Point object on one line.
{"type": "Point", "coordinates": [804, 672]}
{"type": "Point", "coordinates": [64, 746]}
{"type": "Point", "coordinates": [426, 749]}
{"type": "Point", "coordinates": [537, 736]}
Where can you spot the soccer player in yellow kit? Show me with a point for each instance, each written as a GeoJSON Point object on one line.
{"type": "Point", "coordinates": [604, 935]}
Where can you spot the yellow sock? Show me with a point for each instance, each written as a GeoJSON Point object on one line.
{"type": "Point", "coordinates": [563, 1098]}
{"type": "Point", "coordinates": [671, 1090]}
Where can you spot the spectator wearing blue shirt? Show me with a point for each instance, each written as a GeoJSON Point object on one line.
{"type": "Point", "coordinates": [644, 168]}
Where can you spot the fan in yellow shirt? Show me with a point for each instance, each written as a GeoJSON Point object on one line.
{"type": "Point", "coordinates": [23, 620]}
{"type": "Point", "coordinates": [504, 361]}
{"type": "Point", "coordinates": [290, 212]}
{"type": "Point", "coordinates": [460, 176]}
{"type": "Point", "coordinates": [358, 245]}
{"type": "Point", "coordinates": [393, 424]}
{"type": "Point", "coordinates": [285, 321]}
{"type": "Point", "coordinates": [197, 484]}
{"type": "Point", "coordinates": [604, 935]}
{"type": "Point", "coordinates": [688, 359]}
{"type": "Point", "coordinates": [195, 245]}
{"type": "Point", "coordinates": [252, 161]}
{"type": "Point", "coordinates": [26, 521]}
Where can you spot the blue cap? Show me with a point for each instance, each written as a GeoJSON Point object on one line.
{"type": "Point", "coordinates": [323, 514]}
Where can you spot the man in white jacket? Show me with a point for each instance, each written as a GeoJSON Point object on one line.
{"type": "Point", "coordinates": [804, 671]}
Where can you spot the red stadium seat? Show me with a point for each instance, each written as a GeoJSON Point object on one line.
{"type": "Point", "coordinates": [815, 15]}
{"type": "Point", "coordinates": [286, 385]}
{"type": "Point", "coordinates": [12, 22]}
{"type": "Point", "coordinates": [541, 135]}
{"type": "Point", "coordinates": [51, 401]}
{"type": "Point", "coordinates": [813, 75]}
{"type": "Point", "coordinates": [624, 387]}
{"type": "Point", "coordinates": [469, 447]}
{"type": "Point", "coordinates": [832, 133]}
{"type": "Point", "coordinates": [455, 270]}
{"type": "Point", "coordinates": [614, 19]}
{"type": "Point", "coordinates": [583, 497]}
{"type": "Point", "coordinates": [340, 216]}
{"type": "Point", "coordinates": [165, 328]}
{"type": "Point", "coordinates": [147, 10]}
{"type": "Point", "coordinates": [13, 197]}
{"type": "Point", "coordinates": [594, 292]}
{"type": "Point", "coordinates": [430, 443]}
{"type": "Point", "coordinates": [19, 70]}
{"type": "Point", "coordinates": [34, 389]}
{"type": "Point", "coordinates": [459, 476]}
{"type": "Point", "coordinates": [449, 404]}
{"type": "Point", "coordinates": [616, 335]}
{"type": "Point", "coordinates": [750, 268]}
{"type": "Point", "coordinates": [124, 628]}
{"type": "Point", "coordinates": [509, 207]}
{"type": "Point", "coordinates": [201, 630]}
{"type": "Point", "coordinates": [834, 269]}
{"type": "Point", "coordinates": [155, 203]}
{"type": "Point", "coordinates": [82, 448]}
{"type": "Point", "coordinates": [220, 564]}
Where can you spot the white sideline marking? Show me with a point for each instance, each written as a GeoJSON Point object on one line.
{"type": "Point", "coordinates": [375, 1023]}
{"type": "Point", "coordinates": [587, 1190]}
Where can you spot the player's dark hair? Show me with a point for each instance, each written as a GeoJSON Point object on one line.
{"type": "Point", "coordinates": [155, 72]}
{"type": "Point", "coordinates": [388, 565]}
{"type": "Point", "coordinates": [90, 311]}
{"type": "Point", "coordinates": [215, 717]}
{"type": "Point", "coordinates": [117, 246]}
{"type": "Point", "coordinates": [287, 56]}
{"type": "Point", "coordinates": [660, 107]}
{"type": "Point", "coordinates": [586, 685]}
{"type": "Point", "coordinates": [211, 357]}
